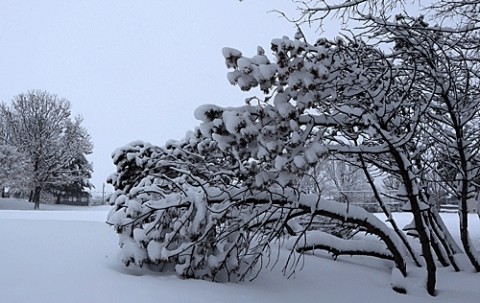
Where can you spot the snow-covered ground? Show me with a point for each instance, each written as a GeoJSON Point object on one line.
{"type": "Point", "coordinates": [68, 254]}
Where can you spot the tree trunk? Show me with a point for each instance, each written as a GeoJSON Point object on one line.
{"type": "Point", "coordinates": [411, 187]}
{"type": "Point", "coordinates": [387, 213]}
{"type": "Point", "coordinates": [463, 216]}
{"type": "Point", "coordinates": [467, 243]}
{"type": "Point", "coordinates": [421, 227]}
{"type": "Point", "coordinates": [450, 248]}
{"type": "Point", "coordinates": [36, 197]}
{"type": "Point", "coordinates": [440, 251]}
{"type": "Point", "coordinates": [446, 235]}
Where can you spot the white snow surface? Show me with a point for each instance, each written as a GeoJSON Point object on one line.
{"type": "Point", "coordinates": [69, 254]}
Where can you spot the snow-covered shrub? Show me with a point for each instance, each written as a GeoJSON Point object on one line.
{"type": "Point", "coordinates": [175, 208]}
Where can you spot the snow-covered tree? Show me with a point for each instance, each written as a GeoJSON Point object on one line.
{"type": "Point", "coordinates": [210, 204]}
{"type": "Point", "coordinates": [440, 66]}
{"type": "Point", "coordinates": [455, 120]}
{"type": "Point", "coordinates": [360, 103]}
{"type": "Point", "coordinates": [40, 126]}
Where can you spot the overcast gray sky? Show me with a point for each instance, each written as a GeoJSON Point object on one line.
{"type": "Point", "coordinates": [134, 69]}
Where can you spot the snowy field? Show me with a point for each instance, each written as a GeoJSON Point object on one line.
{"type": "Point", "coordinates": [68, 254]}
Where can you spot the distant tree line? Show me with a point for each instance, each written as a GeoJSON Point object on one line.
{"type": "Point", "coordinates": [42, 147]}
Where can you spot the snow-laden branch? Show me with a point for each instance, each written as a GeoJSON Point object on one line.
{"type": "Point", "coordinates": [318, 240]}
